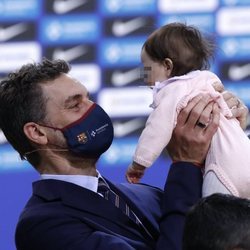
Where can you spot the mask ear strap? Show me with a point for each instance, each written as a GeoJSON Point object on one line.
{"type": "Point", "coordinates": [47, 126]}
{"type": "Point", "coordinates": [44, 149]}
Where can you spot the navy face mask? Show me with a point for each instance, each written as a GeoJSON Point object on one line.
{"type": "Point", "coordinates": [91, 135]}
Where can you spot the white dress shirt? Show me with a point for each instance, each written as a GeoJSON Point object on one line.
{"type": "Point", "coordinates": [85, 181]}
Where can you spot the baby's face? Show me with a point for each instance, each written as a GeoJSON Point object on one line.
{"type": "Point", "coordinates": [152, 71]}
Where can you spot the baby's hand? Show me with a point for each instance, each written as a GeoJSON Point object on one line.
{"type": "Point", "coordinates": [134, 173]}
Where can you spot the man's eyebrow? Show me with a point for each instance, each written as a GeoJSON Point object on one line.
{"type": "Point", "coordinates": [72, 98]}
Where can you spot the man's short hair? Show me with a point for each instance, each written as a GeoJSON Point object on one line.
{"type": "Point", "coordinates": [218, 222]}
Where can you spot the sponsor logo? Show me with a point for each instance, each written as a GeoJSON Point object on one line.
{"type": "Point", "coordinates": [233, 21]}
{"type": "Point", "coordinates": [122, 129]}
{"type": "Point", "coordinates": [237, 72]}
{"type": "Point", "coordinates": [234, 2]}
{"type": "Point", "coordinates": [69, 29]}
{"type": "Point", "coordinates": [82, 138]}
{"type": "Point", "coordinates": [173, 6]}
{"type": "Point", "coordinates": [14, 55]}
{"type": "Point", "coordinates": [93, 133]}
{"type": "Point", "coordinates": [79, 54]}
{"type": "Point", "coordinates": [17, 10]}
{"type": "Point", "coordinates": [123, 28]}
{"type": "Point", "coordinates": [232, 47]}
{"type": "Point", "coordinates": [123, 102]}
{"type": "Point", "coordinates": [127, 7]}
{"type": "Point", "coordinates": [119, 153]}
{"type": "Point", "coordinates": [69, 54]}
{"type": "Point", "coordinates": [121, 53]}
{"type": "Point", "coordinates": [65, 6]}
{"type": "Point", "coordinates": [120, 78]}
{"type": "Point", "coordinates": [7, 33]}
{"type": "Point", "coordinates": [102, 128]}
{"type": "Point", "coordinates": [88, 74]}
{"type": "Point", "coordinates": [205, 22]}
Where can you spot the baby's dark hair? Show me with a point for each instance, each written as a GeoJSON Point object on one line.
{"type": "Point", "coordinates": [183, 44]}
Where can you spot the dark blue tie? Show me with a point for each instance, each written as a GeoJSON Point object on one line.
{"type": "Point", "coordinates": [110, 195]}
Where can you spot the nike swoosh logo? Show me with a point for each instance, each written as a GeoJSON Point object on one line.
{"type": "Point", "coordinates": [120, 28]}
{"type": "Point", "coordinates": [2, 138]}
{"type": "Point", "coordinates": [14, 30]}
{"type": "Point", "coordinates": [69, 54]}
{"type": "Point", "coordinates": [120, 78]}
{"type": "Point", "coordinates": [237, 73]}
{"type": "Point", "coordinates": [62, 7]}
{"type": "Point", "coordinates": [126, 128]}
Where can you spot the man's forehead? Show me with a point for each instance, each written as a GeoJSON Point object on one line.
{"type": "Point", "coordinates": [63, 87]}
{"type": "Point", "coordinates": [78, 83]}
{"type": "Point", "coordinates": [67, 81]}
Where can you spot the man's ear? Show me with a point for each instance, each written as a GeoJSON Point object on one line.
{"type": "Point", "coordinates": [168, 64]}
{"type": "Point", "coordinates": [35, 133]}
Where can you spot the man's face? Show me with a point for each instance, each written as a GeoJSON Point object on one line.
{"type": "Point", "coordinates": [67, 100]}
{"type": "Point", "coordinates": [153, 71]}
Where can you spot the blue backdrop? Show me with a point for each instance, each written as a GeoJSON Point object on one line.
{"type": "Point", "coordinates": [102, 40]}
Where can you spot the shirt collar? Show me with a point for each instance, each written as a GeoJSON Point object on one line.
{"type": "Point", "coordinates": [159, 85]}
{"type": "Point", "coordinates": [85, 181]}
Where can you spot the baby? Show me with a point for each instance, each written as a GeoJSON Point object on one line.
{"type": "Point", "coordinates": [176, 59]}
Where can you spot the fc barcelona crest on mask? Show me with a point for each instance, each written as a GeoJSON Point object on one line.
{"type": "Point", "coordinates": [82, 138]}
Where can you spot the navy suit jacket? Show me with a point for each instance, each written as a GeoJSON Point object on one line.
{"type": "Point", "coordinates": [65, 216]}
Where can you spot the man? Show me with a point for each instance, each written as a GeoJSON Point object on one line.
{"type": "Point", "coordinates": [48, 118]}
{"type": "Point", "coordinates": [218, 222]}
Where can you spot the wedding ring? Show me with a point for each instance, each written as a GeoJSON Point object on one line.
{"type": "Point", "coordinates": [201, 125]}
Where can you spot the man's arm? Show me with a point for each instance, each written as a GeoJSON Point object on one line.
{"type": "Point", "coordinates": [188, 149]}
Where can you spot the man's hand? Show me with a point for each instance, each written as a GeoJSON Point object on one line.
{"type": "Point", "coordinates": [239, 110]}
{"type": "Point", "coordinates": [190, 140]}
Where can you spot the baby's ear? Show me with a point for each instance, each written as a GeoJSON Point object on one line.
{"type": "Point", "coordinates": [168, 64]}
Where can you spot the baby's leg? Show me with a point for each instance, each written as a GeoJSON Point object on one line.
{"type": "Point", "coordinates": [212, 184]}
{"type": "Point", "coordinates": [135, 172]}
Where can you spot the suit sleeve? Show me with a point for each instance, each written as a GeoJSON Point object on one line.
{"type": "Point", "coordinates": [182, 190]}
{"type": "Point", "coordinates": [60, 232]}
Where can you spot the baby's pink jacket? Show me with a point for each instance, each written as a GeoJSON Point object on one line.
{"type": "Point", "coordinates": [229, 153]}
